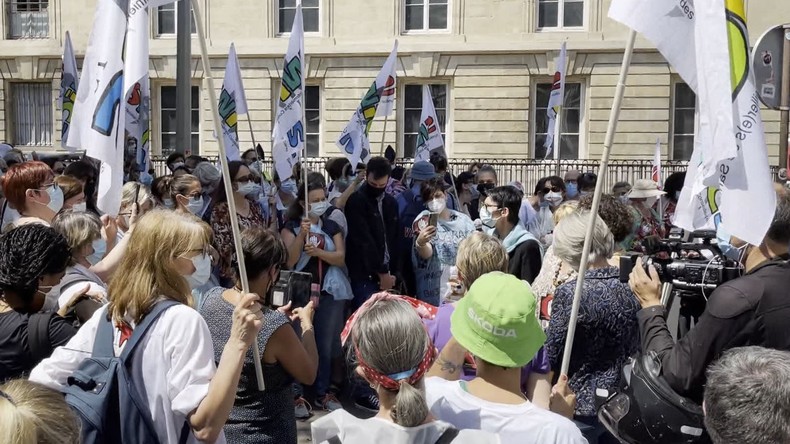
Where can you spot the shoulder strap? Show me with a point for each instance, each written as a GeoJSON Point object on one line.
{"type": "Point", "coordinates": [105, 335]}
{"type": "Point", "coordinates": [38, 336]}
{"type": "Point", "coordinates": [140, 329]}
{"type": "Point", "coordinates": [448, 436]}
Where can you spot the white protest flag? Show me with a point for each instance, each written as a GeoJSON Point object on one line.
{"type": "Point", "coordinates": [429, 136]}
{"type": "Point", "coordinates": [379, 100]}
{"type": "Point", "coordinates": [555, 102]}
{"type": "Point", "coordinates": [97, 124]}
{"type": "Point", "coordinates": [232, 102]}
{"type": "Point", "coordinates": [656, 172]}
{"type": "Point", "coordinates": [288, 135]}
{"type": "Point", "coordinates": [739, 180]}
{"type": "Point", "coordinates": [137, 88]}
{"type": "Point", "coordinates": [69, 81]}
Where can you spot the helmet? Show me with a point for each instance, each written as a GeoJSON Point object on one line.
{"type": "Point", "coordinates": [646, 409]}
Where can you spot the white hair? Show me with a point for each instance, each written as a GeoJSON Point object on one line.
{"type": "Point", "coordinates": [569, 239]}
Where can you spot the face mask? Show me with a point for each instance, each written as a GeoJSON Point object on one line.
{"type": "Point", "coordinates": [249, 188]}
{"type": "Point", "coordinates": [168, 203]}
{"type": "Point", "coordinates": [373, 191]}
{"type": "Point", "coordinates": [437, 205]}
{"type": "Point", "coordinates": [319, 208]}
{"type": "Point", "coordinates": [202, 264]}
{"type": "Point", "coordinates": [55, 198]}
{"type": "Point", "coordinates": [554, 198]}
{"type": "Point", "coordinates": [176, 166]}
{"type": "Point", "coordinates": [99, 249]}
{"type": "Point", "coordinates": [146, 179]}
{"type": "Point", "coordinates": [650, 201]}
{"type": "Point", "coordinates": [289, 186]}
{"type": "Point", "coordinates": [50, 299]}
{"type": "Point", "coordinates": [484, 188]}
{"type": "Point", "coordinates": [624, 199]}
{"type": "Point", "coordinates": [571, 190]}
{"type": "Point", "coordinates": [195, 204]}
{"type": "Point", "coordinates": [487, 218]}
{"type": "Point", "coordinates": [80, 207]}
{"type": "Point", "coordinates": [342, 184]}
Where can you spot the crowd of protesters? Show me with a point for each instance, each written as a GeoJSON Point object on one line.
{"type": "Point", "coordinates": [439, 304]}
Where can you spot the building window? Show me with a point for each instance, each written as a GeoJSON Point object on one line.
{"type": "Point", "coordinates": [167, 19]}
{"type": "Point", "coordinates": [312, 112]}
{"type": "Point", "coordinates": [287, 10]}
{"type": "Point", "coordinates": [28, 19]}
{"type": "Point", "coordinates": [571, 120]}
{"type": "Point", "coordinates": [426, 15]}
{"type": "Point", "coordinates": [32, 113]}
{"type": "Point", "coordinates": [684, 101]}
{"type": "Point", "coordinates": [560, 14]}
{"type": "Point", "coordinates": [412, 111]}
{"type": "Point", "coordinates": [168, 118]}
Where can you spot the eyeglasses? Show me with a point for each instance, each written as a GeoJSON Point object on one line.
{"type": "Point", "coordinates": [248, 178]}
{"type": "Point", "coordinates": [490, 206]}
{"type": "Point", "coordinates": [554, 189]}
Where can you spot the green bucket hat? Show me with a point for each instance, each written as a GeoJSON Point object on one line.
{"type": "Point", "coordinates": [496, 321]}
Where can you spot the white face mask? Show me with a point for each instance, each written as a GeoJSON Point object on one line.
{"type": "Point", "coordinates": [202, 264]}
{"type": "Point", "coordinates": [195, 204]}
{"type": "Point", "coordinates": [80, 207]}
{"type": "Point", "coordinates": [553, 198]}
{"type": "Point", "coordinates": [319, 208]}
{"type": "Point", "coordinates": [437, 205]}
{"type": "Point", "coordinates": [99, 249]}
{"type": "Point", "coordinates": [487, 218]}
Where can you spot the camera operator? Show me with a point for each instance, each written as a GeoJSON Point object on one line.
{"type": "Point", "coordinates": [750, 310]}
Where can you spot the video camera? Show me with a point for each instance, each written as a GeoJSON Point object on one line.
{"type": "Point", "coordinates": [692, 265]}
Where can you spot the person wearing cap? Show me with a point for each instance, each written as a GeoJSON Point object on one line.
{"type": "Point", "coordinates": [642, 197]}
{"type": "Point", "coordinates": [436, 246]}
{"type": "Point", "coordinates": [410, 204]}
{"type": "Point", "coordinates": [572, 184]}
{"type": "Point", "coordinates": [495, 322]}
{"type": "Point", "coordinates": [607, 332]}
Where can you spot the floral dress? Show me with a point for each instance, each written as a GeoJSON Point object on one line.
{"type": "Point", "coordinates": [223, 234]}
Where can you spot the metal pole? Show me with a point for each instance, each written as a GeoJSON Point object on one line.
{"type": "Point", "coordinates": [223, 157]}
{"type": "Point", "coordinates": [184, 77]}
{"type": "Point", "coordinates": [785, 103]}
{"type": "Point", "coordinates": [252, 134]}
{"type": "Point", "coordinates": [607, 146]}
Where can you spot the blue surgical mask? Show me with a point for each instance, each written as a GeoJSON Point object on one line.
{"type": "Point", "coordinates": [571, 190]}
{"type": "Point", "coordinates": [55, 198]}
{"type": "Point", "coordinates": [99, 250]}
{"type": "Point", "coordinates": [202, 274]}
{"type": "Point", "coordinates": [288, 186]}
{"type": "Point", "coordinates": [195, 204]}
{"type": "Point", "coordinates": [250, 188]}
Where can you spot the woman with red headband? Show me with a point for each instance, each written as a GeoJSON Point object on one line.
{"type": "Point", "coordinates": [392, 353]}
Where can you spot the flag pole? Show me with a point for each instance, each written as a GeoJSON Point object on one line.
{"type": "Point", "coordinates": [607, 146]}
{"type": "Point", "coordinates": [384, 135]}
{"type": "Point", "coordinates": [234, 218]}
{"type": "Point", "coordinates": [557, 134]}
{"type": "Point", "coordinates": [252, 134]}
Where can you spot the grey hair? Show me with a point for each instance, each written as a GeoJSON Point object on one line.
{"type": "Point", "coordinates": [390, 338]}
{"type": "Point", "coordinates": [208, 175]}
{"type": "Point", "coordinates": [747, 397]}
{"type": "Point", "coordinates": [130, 189]}
{"type": "Point", "coordinates": [569, 239]}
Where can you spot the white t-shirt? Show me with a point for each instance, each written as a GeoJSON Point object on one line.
{"type": "Point", "coordinates": [352, 430]}
{"type": "Point", "coordinates": [174, 363]}
{"type": "Point", "coordinates": [522, 424]}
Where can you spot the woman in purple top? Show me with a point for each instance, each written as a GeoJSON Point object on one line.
{"type": "Point", "coordinates": [479, 254]}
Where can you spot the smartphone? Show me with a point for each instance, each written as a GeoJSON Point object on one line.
{"type": "Point", "coordinates": [136, 198]}
{"type": "Point", "coordinates": [433, 219]}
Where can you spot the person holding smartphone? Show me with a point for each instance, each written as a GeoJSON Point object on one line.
{"type": "Point", "coordinates": [440, 231]}
{"type": "Point", "coordinates": [264, 416]}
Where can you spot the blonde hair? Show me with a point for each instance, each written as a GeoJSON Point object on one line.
{"type": "Point", "coordinates": [147, 271]}
{"type": "Point", "coordinates": [78, 227]}
{"type": "Point", "coordinates": [479, 254]}
{"type": "Point", "coordinates": [563, 210]}
{"type": "Point", "coordinates": [71, 187]}
{"type": "Point", "coordinates": [35, 414]}
{"type": "Point", "coordinates": [129, 191]}
{"type": "Point", "coordinates": [569, 239]}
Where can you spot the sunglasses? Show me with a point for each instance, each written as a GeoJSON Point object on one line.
{"type": "Point", "coordinates": [554, 189]}
{"type": "Point", "coordinates": [249, 178]}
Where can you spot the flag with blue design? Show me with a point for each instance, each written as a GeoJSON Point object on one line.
{"type": "Point", "coordinates": [379, 100]}
{"type": "Point", "coordinates": [232, 102]}
{"type": "Point", "coordinates": [69, 81]}
{"type": "Point", "coordinates": [288, 135]}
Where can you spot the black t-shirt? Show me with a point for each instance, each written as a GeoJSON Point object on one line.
{"type": "Point", "coordinates": [16, 359]}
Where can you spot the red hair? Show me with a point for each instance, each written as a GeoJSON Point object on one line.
{"type": "Point", "coordinates": [22, 177]}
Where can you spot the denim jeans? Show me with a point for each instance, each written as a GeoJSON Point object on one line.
{"type": "Point", "coordinates": [328, 323]}
{"type": "Point", "coordinates": [363, 290]}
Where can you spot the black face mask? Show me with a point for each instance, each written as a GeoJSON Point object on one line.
{"type": "Point", "coordinates": [484, 188]}
{"type": "Point", "coordinates": [373, 191]}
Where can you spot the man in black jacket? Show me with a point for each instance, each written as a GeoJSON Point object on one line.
{"type": "Point", "coordinates": [751, 310]}
{"type": "Point", "coordinates": [373, 254]}
{"type": "Point", "coordinates": [499, 216]}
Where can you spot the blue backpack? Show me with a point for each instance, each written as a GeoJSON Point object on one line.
{"type": "Point", "coordinates": [103, 393]}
